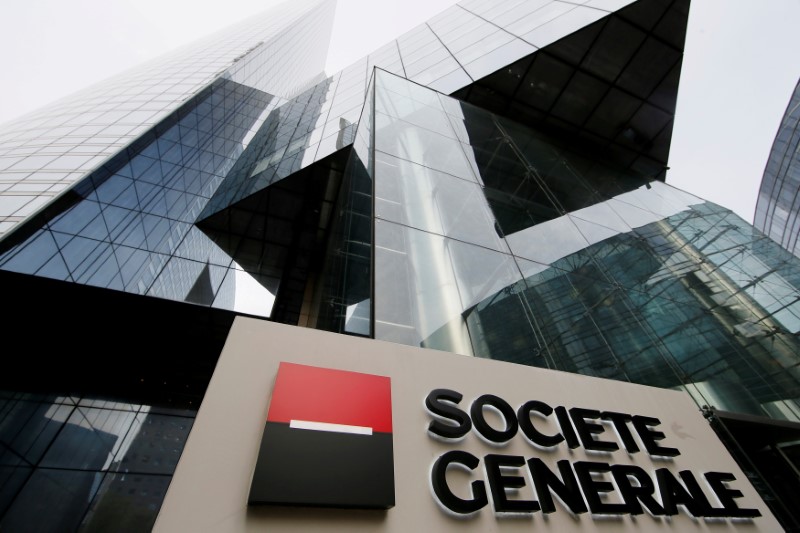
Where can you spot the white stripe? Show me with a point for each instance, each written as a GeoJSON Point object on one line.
{"type": "Point", "coordinates": [324, 426]}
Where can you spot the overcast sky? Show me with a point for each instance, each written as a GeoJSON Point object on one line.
{"type": "Point", "coordinates": [740, 66]}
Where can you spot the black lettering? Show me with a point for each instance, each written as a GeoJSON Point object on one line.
{"type": "Point", "coordinates": [587, 430]}
{"type": "Point", "coordinates": [566, 427]}
{"type": "Point", "coordinates": [726, 496]}
{"type": "Point", "coordinates": [592, 488]}
{"type": "Point", "coordinates": [674, 494]}
{"type": "Point", "coordinates": [644, 426]}
{"type": "Point", "coordinates": [498, 483]}
{"type": "Point", "coordinates": [435, 404]}
{"type": "Point", "coordinates": [620, 421]}
{"type": "Point", "coordinates": [632, 495]}
{"type": "Point", "coordinates": [525, 424]}
{"type": "Point", "coordinates": [544, 480]}
{"type": "Point", "coordinates": [509, 416]}
{"type": "Point", "coordinates": [443, 492]}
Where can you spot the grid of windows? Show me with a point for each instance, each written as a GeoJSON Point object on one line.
{"type": "Point", "coordinates": [45, 152]}
{"type": "Point", "coordinates": [612, 84]}
{"type": "Point", "coordinates": [464, 43]}
{"type": "Point", "coordinates": [490, 241]}
{"type": "Point", "coordinates": [778, 207]}
{"type": "Point", "coordinates": [82, 464]}
{"type": "Point", "coordinates": [131, 226]}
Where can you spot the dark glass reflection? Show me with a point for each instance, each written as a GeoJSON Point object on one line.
{"type": "Point", "coordinates": [129, 225]}
{"type": "Point", "coordinates": [528, 180]}
{"type": "Point", "coordinates": [567, 263]}
{"type": "Point", "coordinates": [777, 210]}
{"type": "Point", "coordinates": [94, 465]}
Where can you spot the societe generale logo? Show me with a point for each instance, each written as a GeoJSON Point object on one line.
{"type": "Point", "coordinates": [327, 441]}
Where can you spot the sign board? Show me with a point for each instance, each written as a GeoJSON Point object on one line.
{"type": "Point", "coordinates": [475, 445]}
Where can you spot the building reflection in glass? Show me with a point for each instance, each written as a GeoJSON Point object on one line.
{"type": "Point", "coordinates": [495, 241]}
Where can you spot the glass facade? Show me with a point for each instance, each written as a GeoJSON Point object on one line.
{"type": "Point", "coordinates": [130, 226]}
{"type": "Point", "coordinates": [102, 191]}
{"type": "Point", "coordinates": [490, 240]}
{"type": "Point", "coordinates": [778, 206]}
{"type": "Point", "coordinates": [78, 463]}
{"type": "Point", "coordinates": [277, 134]}
{"type": "Point", "coordinates": [44, 153]}
{"type": "Point", "coordinates": [525, 220]}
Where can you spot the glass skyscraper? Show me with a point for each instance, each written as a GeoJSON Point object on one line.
{"type": "Point", "coordinates": [778, 210]}
{"type": "Point", "coordinates": [491, 183]}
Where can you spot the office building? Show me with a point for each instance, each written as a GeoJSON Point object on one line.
{"type": "Point", "coordinates": [491, 183]}
{"type": "Point", "coordinates": [777, 209]}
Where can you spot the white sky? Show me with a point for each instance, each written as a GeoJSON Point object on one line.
{"type": "Point", "coordinates": [740, 66]}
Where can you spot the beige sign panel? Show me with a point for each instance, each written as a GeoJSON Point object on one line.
{"type": "Point", "coordinates": [630, 453]}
